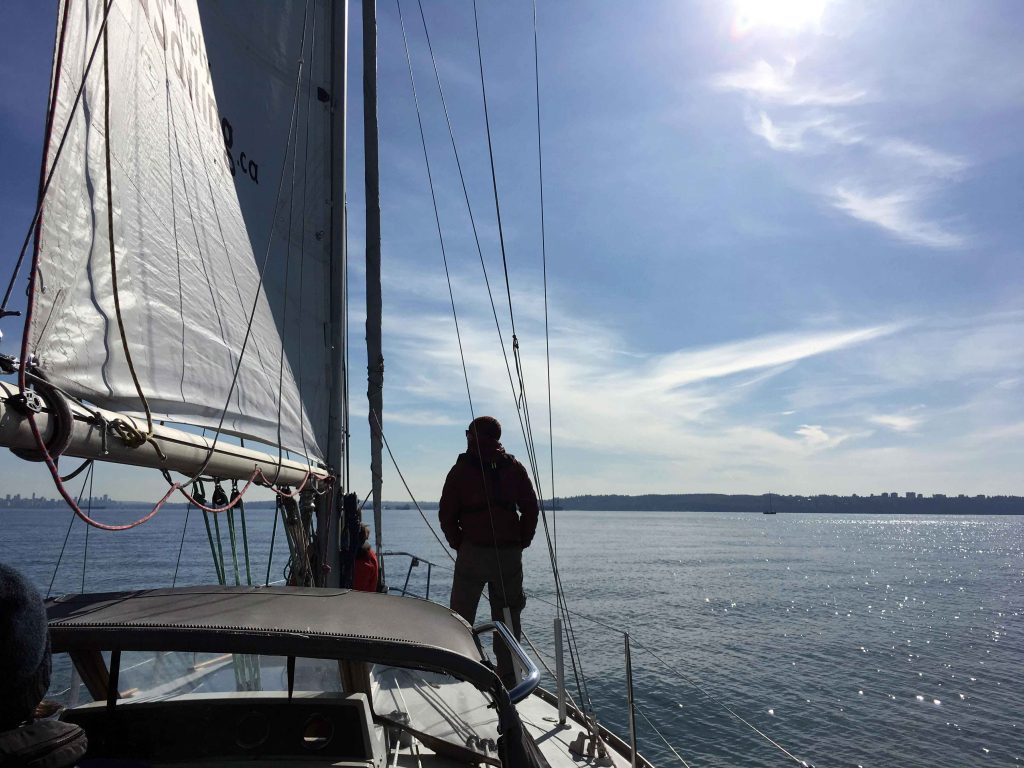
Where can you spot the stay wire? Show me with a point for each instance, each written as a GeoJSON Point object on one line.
{"type": "Point", "coordinates": [494, 175]}
{"type": "Point", "coordinates": [181, 546]}
{"type": "Point", "coordinates": [49, 176]}
{"type": "Point", "coordinates": [544, 263]}
{"type": "Point", "coordinates": [401, 477]}
{"type": "Point", "coordinates": [85, 549]}
{"type": "Point", "coordinates": [521, 402]}
{"type": "Point", "coordinates": [516, 398]}
{"type": "Point", "coordinates": [469, 209]}
{"type": "Point", "coordinates": [302, 239]}
{"type": "Point", "coordinates": [60, 557]}
{"type": "Point", "coordinates": [287, 262]}
{"type": "Point", "coordinates": [465, 371]}
{"type": "Point", "coordinates": [433, 198]}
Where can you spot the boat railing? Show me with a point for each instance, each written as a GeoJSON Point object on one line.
{"type": "Point", "coordinates": [529, 673]}
{"type": "Point", "coordinates": [530, 679]}
{"type": "Point", "coordinates": [414, 562]}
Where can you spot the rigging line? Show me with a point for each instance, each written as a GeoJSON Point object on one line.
{"type": "Point", "coordinates": [85, 550]}
{"type": "Point", "coordinates": [527, 427]}
{"type": "Point", "coordinates": [544, 263]}
{"type": "Point", "coordinates": [451, 295]}
{"type": "Point", "coordinates": [181, 546]}
{"type": "Point", "coordinates": [433, 198]}
{"type": "Point", "coordinates": [686, 678]}
{"type": "Point", "coordinates": [302, 239]}
{"type": "Point", "coordinates": [85, 481]}
{"type": "Point", "coordinates": [723, 705]}
{"type": "Point", "coordinates": [469, 208]}
{"type": "Point", "coordinates": [81, 467]}
{"type": "Point", "coordinates": [263, 266]}
{"type": "Point", "coordinates": [174, 215]}
{"type": "Point", "coordinates": [287, 266]}
{"type": "Point", "coordinates": [200, 256]}
{"type": "Point", "coordinates": [660, 735]}
{"type": "Point", "coordinates": [273, 536]}
{"type": "Point", "coordinates": [45, 186]}
{"type": "Point", "coordinates": [440, 541]}
{"type": "Point", "coordinates": [107, 141]}
{"type": "Point", "coordinates": [493, 310]}
{"type": "Point", "coordinates": [494, 175]}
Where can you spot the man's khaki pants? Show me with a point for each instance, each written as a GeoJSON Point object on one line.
{"type": "Point", "coordinates": [501, 570]}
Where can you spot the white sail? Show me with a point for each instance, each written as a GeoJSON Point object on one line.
{"type": "Point", "coordinates": [213, 182]}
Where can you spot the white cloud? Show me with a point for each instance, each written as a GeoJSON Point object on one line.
{"type": "Point", "coordinates": [899, 214]}
{"type": "Point", "coordinates": [929, 161]}
{"type": "Point", "coordinates": [814, 133]}
{"type": "Point", "coordinates": [814, 435]}
{"type": "Point", "coordinates": [779, 85]}
{"type": "Point", "coordinates": [895, 421]}
{"type": "Point", "coordinates": [690, 366]}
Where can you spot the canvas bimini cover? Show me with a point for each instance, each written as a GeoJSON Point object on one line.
{"type": "Point", "coordinates": [218, 169]}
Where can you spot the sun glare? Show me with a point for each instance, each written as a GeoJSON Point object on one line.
{"type": "Point", "coordinates": [782, 15]}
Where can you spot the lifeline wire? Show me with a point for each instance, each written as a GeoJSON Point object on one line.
{"type": "Point", "coordinates": [686, 678]}
{"type": "Point", "coordinates": [661, 736]}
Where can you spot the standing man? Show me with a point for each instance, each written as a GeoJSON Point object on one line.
{"type": "Point", "coordinates": [478, 516]}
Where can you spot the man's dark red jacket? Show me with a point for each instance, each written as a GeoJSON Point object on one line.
{"type": "Point", "coordinates": [478, 503]}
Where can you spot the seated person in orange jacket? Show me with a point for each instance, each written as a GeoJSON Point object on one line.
{"type": "Point", "coordinates": [365, 573]}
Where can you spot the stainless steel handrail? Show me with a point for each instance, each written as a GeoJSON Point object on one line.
{"type": "Point", "coordinates": [529, 683]}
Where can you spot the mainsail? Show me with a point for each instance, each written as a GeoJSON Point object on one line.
{"type": "Point", "coordinates": [219, 123]}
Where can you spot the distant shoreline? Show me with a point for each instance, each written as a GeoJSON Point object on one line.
{"type": "Point", "coordinates": [889, 504]}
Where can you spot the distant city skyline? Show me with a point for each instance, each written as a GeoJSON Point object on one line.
{"type": "Point", "coordinates": [784, 248]}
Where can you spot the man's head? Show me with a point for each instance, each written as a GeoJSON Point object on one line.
{"type": "Point", "coordinates": [24, 648]}
{"type": "Point", "coordinates": [485, 427]}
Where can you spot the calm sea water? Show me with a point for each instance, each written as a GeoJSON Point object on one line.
{"type": "Point", "coordinates": [874, 641]}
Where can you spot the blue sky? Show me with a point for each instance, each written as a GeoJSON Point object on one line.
{"type": "Point", "coordinates": [784, 242]}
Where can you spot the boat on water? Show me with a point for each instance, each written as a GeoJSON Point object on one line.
{"type": "Point", "coordinates": [186, 312]}
{"type": "Point", "coordinates": [771, 507]}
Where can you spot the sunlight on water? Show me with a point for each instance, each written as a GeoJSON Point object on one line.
{"type": "Point", "coordinates": [849, 640]}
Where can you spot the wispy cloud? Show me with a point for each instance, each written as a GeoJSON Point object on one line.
{"type": "Point", "coordinates": [814, 133]}
{"type": "Point", "coordinates": [899, 213]}
{"type": "Point", "coordinates": [894, 421]}
{"type": "Point", "coordinates": [687, 367]}
{"type": "Point", "coordinates": [815, 436]}
{"type": "Point", "coordinates": [929, 161]}
{"type": "Point", "coordinates": [779, 85]}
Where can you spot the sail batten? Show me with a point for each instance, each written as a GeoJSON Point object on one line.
{"type": "Point", "coordinates": [220, 203]}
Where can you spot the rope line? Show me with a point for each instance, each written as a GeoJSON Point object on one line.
{"type": "Point", "coordinates": [440, 541]}
{"type": "Point", "coordinates": [108, 140]}
{"type": "Point", "coordinates": [44, 188]}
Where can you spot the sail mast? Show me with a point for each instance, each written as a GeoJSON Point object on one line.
{"type": "Point", "coordinates": [374, 350]}
{"type": "Point", "coordinates": [328, 515]}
